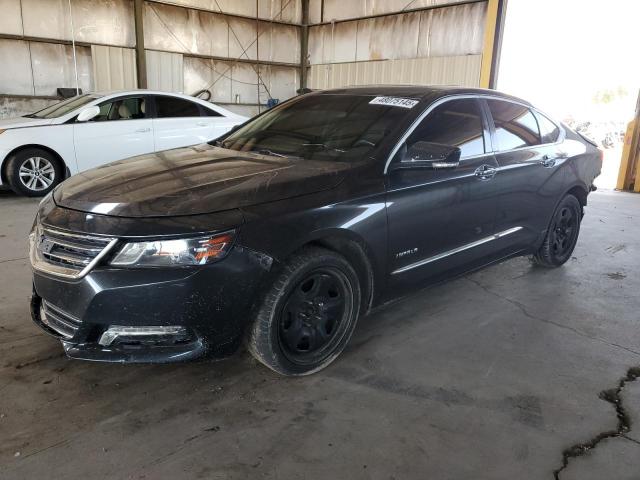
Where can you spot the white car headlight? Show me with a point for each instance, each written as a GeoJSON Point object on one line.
{"type": "Point", "coordinates": [181, 251]}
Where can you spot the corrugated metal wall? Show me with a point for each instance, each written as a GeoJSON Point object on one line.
{"type": "Point", "coordinates": [440, 45]}
{"type": "Point", "coordinates": [165, 71]}
{"type": "Point", "coordinates": [190, 43]}
{"type": "Point", "coordinates": [328, 10]}
{"type": "Point", "coordinates": [284, 10]}
{"type": "Point", "coordinates": [454, 70]}
{"type": "Point", "coordinates": [39, 59]}
{"type": "Point", "coordinates": [243, 51]}
{"type": "Point", "coordinates": [188, 31]}
{"type": "Point", "coordinates": [96, 21]}
{"type": "Point", "coordinates": [114, 68]}
{"type": "Point", "coordinates": [210, 43]}
{"type": "Point", "coordinates": [37, 69]}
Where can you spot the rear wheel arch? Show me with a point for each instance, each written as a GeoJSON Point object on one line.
{"type": "Point", "coordinates": [580, 192]}
{"type": "Point", "coordinates": [561, 236]}
{"type": "Point", "coordinates": [56, 155]}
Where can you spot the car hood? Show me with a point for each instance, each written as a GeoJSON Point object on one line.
{"type": "Point", "coordinates": [194, 180]}
{"type": "Point", "coordinates": [20, 122]}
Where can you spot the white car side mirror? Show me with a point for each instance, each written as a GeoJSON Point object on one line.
{"type": "Point", "coordinates": [88, 113]}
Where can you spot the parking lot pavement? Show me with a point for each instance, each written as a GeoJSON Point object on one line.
{"type": "Point", "coordinates": [494, 375]}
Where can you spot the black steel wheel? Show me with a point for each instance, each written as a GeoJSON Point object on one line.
{"type": "Point", "coordinates": [562, 234]}
{"type": "Point", "coordinates": [308, 315]}
{"type": "Point", "coordinates": [314, 315]}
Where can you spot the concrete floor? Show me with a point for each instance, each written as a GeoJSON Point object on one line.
{"type": "Point", "coordinates": [491, 376]}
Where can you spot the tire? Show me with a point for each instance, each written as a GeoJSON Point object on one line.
{"type": "Point", "coordinates": [316, 296]}
{"type": "Point", "coordinates": [562, 234]}
{"type": "Point", "coordinates": [33, 172]}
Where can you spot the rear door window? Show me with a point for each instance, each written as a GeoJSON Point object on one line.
{"type": "Point", "coordinates": [516, 126]}
{"type": "Point", "coordinates": [172, 107]}
{"type": "Point", "coordinates": [548, 130]}
{"type": "Point", "coordinates": [455, 123]}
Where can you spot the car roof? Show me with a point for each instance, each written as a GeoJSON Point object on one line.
{"type": "Point", "coordinates": [142, 91]}
{"type": "Point", "coordinates": [139, 91]}
{"type": "Point", "coordinates": [418, 91]}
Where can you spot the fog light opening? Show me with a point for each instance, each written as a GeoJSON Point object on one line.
{"type": "Point", "coordinates": [115, 332]}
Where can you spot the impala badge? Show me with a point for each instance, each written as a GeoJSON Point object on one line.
{"type": "Point", "coordinates": [407, 252]}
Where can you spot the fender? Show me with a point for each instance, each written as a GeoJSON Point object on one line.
{"type": "Point", "coordinates": [60, 143]}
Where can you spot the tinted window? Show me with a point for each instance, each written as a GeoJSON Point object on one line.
{"type": "Point", "coordinates": [168, 107]}
{"type": "Point", "coordinates": [321, 127]}
{"type": "Point", "coordinates": [207, 112]}
{"type": "Point", "coordinates": [548, 130]}
{"type": "Point", "coordinates": [457, 123]}
{"type": "Point", "coordinates": [121, 109]}
{"type": "Point", "coordinates": [515, 125]}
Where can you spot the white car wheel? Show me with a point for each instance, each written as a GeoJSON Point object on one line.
{"type": "Point", "coordinates": [33, 172]}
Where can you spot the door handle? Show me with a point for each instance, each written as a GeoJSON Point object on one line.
{"type": "Point", "coordinates": [143, 130]}
{"type": "Point", "coordinates": [202, 124]}
{"type": "Point", "coordinates": [485, 172]}
{"type": "Point", "coordinates": [547, 161]}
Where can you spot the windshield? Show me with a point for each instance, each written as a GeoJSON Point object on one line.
{"type": "Point", "coordinates": [321, 127]}
{"type": "Point", "coordinates": [62, 108]}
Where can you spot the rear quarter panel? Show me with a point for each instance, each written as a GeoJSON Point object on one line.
{"type": "Point", "coordinates": [581, 164]}
{"type": "Point", "coordinates": [586, 160]}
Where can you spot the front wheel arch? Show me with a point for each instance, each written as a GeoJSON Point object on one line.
{"type": "Point", "coordinates": [264, 337]}
{"type": "Point", "coordinates": [356, 253]}
{"type": "Point", "coordinates": [63, 164]}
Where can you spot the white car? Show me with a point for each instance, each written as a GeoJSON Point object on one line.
{"type": "Point", "coordinates": [39, 150]}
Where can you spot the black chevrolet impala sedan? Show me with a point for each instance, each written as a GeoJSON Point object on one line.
{"type": "Point", "coordinates": [286, 230]}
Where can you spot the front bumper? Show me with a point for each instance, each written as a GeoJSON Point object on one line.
{"type": "Point", "coordinates": [212, 303]}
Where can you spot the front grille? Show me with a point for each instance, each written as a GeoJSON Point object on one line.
{"type": "Point", "coordinates": [58, 320]}
{"type": "Point", "coordinates": [67, 254]}
{"type": "Point", "coordinates": [70, 250]}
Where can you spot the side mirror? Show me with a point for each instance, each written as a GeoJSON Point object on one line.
{"type": "Point", "coordinates": [88, 113]}
{"type": "Point", "coordinates": [429, 155]}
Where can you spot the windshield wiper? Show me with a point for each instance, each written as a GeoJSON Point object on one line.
{"type": "Point", "coordinates": [266, 151]}
{"type": "Point", "coordinates": [261, 151]}
{"type": "Point", "coordinates": [323, 146]}
{"type": "Point", "coordinates": [30, 115]}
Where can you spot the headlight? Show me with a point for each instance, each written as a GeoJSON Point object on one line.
{"type": "Point", "coordinates": [182, 251]}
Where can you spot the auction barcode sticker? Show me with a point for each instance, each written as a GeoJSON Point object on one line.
{"type": "Point", "coordinates": [394, 102]}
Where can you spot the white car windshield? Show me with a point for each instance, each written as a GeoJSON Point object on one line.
{"type": "Point", "coordinates": [62, 108]}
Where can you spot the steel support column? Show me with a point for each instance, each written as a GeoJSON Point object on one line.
{"type": "Point", "coordinates": [304, 44]}
{"type": "Point", "coordinates": [493, 30]}
{"type": "Point", "coordinates": [629, 173]}
{"type": "Point", "coordinates": [141, 59]}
